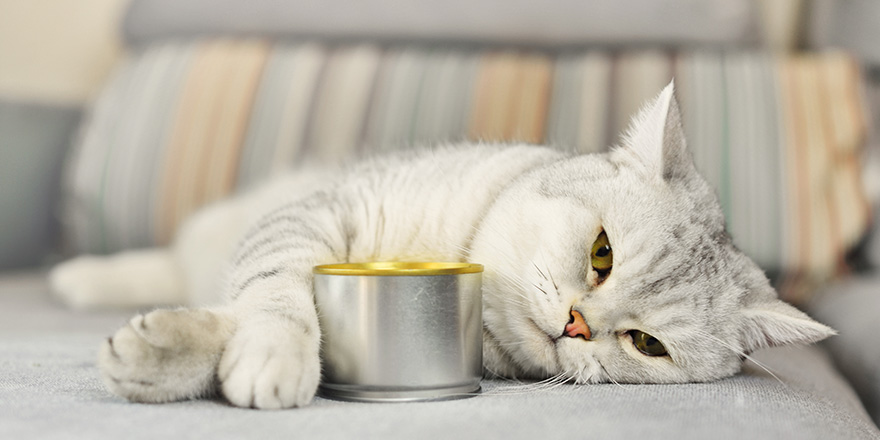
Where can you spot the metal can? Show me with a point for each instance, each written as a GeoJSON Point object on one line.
{"type": "Point", "coordinates": [395, 331]}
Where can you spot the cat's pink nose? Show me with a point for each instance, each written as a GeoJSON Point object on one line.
{"type": "Point", "coordinates": [576, 326]}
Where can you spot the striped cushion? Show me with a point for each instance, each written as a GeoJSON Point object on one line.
{"type": "Point", "coordinates": [182, 124]}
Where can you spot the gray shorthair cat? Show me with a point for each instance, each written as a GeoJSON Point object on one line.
{"type": "Point", "coordinates": [605, 267]}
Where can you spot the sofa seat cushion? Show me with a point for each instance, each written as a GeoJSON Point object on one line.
{"type": "Point", "coordinates": [50, 388]}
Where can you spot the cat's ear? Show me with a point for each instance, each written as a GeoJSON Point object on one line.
{"type": "Point", "coordinates": [774, 323]}
{"type": "Point", "coordinates": [655, 140]}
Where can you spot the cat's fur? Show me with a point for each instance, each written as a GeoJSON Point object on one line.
{"type": "Point", "coordinates": [528, 214]}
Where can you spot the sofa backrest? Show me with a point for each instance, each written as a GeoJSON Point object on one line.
{"type": "Point", "coordinates": [183, 123]}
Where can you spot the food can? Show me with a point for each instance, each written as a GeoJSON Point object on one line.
{"type": "Point", "coordinates": [395, 331]}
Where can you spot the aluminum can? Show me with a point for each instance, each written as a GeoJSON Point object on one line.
{"type": "Point", "coordinates": [399, 331]}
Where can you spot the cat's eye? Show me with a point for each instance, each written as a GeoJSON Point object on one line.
{"type": "Point", "coordinates": [647, 344]}
{"type": "Point", "coordinates": [602, 257]}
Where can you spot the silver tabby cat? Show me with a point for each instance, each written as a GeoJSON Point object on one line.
{"type": "Point", "coordinates": [605, 267]}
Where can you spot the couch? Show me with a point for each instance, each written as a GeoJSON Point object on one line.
{"type": "Point", "coordinates": [215, 96]}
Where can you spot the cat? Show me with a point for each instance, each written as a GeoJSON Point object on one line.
{"type": "Point", "coordinates": [598, 267]}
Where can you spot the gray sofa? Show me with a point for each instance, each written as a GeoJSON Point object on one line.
{"type": "Point", "coordinates": [50, 388]}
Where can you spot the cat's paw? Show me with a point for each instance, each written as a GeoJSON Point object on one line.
{"type": "Point", "coordinates": [270, 367]}
{"type": "Point", "coordinates": [165, 355]}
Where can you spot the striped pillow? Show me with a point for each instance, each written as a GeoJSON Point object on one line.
{"type": "Point", "coordinates": [182, 124]}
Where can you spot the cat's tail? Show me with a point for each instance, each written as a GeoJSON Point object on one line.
{"type": "Point", "coordinates": [128, 279]}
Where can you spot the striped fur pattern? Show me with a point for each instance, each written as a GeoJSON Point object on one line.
{"type": "Point", "coordinates": [529, 214]}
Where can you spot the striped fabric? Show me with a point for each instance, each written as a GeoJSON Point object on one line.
{"type": "Point", "coordinates": [183, 124]}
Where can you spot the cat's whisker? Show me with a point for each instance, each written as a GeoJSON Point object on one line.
{"type": "Point", "coordinates": [516, 388]}
{"type": "Point", "coordinates": [582, 377]}
{"type": "Point", "coordinates": [509, 260]}
{"type": "Point", "coordinates": [564, 377]}
{"type": "Point", "coordinates": [495, 374]}
{"type": "Point", "coordinates": [543, 382]}
{"type": "Point", "coordinates": [518, 286]}
{"type": "Point", "coordinates": [616, 382]}
{"type": "Point", "coordinates": [521, 388]}
{"type": "Point", "coordinates": [555, 286]}
{"type": "Point", "coordinates": [743, 354]}
{"type": "Point", "coordinates": [517, 281]}
{"type": "Point", "coordinates": [539, 270]}
{"type": "Point", "coordinates": [550, 273]}
{"type": "Point", "coordinates": [528, 388]}
{"type": "Point", "coordinates": [607, 374]}
{"type": "Point", "coordinates": [539, 288]}
{"type": "Point", "coordinates": [545, 277]}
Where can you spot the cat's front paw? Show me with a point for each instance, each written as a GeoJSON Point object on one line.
{"type": "Point", "coordinates": [270, 367]}
{"type": "Point", "coordinates": [165, 355]}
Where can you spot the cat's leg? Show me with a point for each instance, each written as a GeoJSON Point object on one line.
{"type": "Point", "coordinates": [266, 343]}
{"type": "Point", "coordinates": [166, 355]}
{"type": "Point", "coordinates": [187, 272]}
{"type": "Point", "coordinates": [263, 345]}
{"type": "Point", "coordinates": [272, 361]}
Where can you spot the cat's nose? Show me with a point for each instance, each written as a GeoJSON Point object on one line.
{"type": "Point", "coordinates": [577, 326]}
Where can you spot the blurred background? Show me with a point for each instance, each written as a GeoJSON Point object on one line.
{"type": "Point", "coordinates": [60, 53]}
{"type": "Point", "coordinates": [119, 118]}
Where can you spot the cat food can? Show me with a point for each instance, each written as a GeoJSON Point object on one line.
{"type": "Point", "coordinates": [400, 331]}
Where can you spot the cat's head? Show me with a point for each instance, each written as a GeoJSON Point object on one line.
{"type": "Point", "coordinates": [618, 267]}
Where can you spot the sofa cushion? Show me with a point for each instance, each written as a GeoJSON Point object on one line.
{"type": "Point", "coordinates": [50, 388]}
{"type": "Point", "coordinates": [182, 124]}
{"type": "Point", "coordinates": [560, 22]}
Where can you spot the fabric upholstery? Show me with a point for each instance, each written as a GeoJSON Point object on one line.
{"type": "Point", "coordinates": [852, 307]}
{"type": "Point", "coordinates": [561, 22]}
{"type": "Point", "coordinates": [34, 139]}
{"type": "Point", "coordinates": [182, 124]}
{"type": "Point", "coordinates": [850, 24]}
{"type": "Point", "coordinates": [49, 388]}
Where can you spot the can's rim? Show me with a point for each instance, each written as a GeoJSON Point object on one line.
{"type": "Point", "coordinates": [398, 268]}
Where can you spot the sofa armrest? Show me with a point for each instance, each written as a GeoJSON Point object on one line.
{"type": "Point", "coordinates": [34, 139]}
{"type": "Point", "coordinates": [851, 307]}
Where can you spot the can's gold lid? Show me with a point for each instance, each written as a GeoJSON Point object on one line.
{"type": "Point", "coordinates": [394, 268]}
